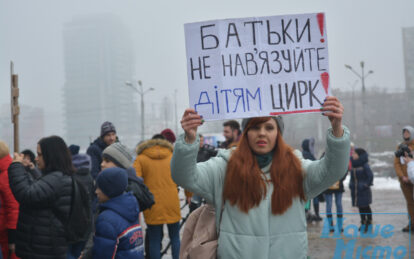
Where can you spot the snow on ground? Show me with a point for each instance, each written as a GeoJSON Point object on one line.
{"type": "Point", "coordinates": [380, 183]}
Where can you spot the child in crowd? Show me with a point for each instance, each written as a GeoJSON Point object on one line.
{"type": "Point", "coordinates": [118, 233]}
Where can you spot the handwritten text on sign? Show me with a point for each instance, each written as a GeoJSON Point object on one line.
{"type": "Point", "coordinates": [257, 66]}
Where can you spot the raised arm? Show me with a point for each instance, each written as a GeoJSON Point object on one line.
{"type": "Point", "coordinates": [199, 178]}
{"type": "Point", "coordinates": [321, 174]}
{"type": "Point", "coordinates": [40, 193]}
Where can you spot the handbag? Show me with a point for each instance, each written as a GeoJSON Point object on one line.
{"type": "Point", "coordinates": [141, 192]}
{"type": "Point", "coordinates": [335, 186]}
{"type": "Point", "coordinates": [200, 237]}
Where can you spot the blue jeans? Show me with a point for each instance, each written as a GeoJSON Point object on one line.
{"type": "Point", "coordinates": [154, 235]}
{"type": "Point", "coordinates": [338, 203]}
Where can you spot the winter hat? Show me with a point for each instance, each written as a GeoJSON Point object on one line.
{"type": "Point", "coordinates": [107, 127]}
{"type": "Point", "coordinates": [118, 154]}
{"type": "Point", "coordinates": [169, 135]}
{"type": "Point", "coordinates": [360, 151]}
{"type": "Point", "coordinates": [112, 181]}
{"type": "Point", "coordinates": [74, 149]}
{"type": "Point", "coordinates": [4, 149]}
{"type": "Point", "coordinates": [278, 119]}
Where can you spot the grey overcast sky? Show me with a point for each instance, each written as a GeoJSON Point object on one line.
{"type": "Point", "coordinates": [31, 36]}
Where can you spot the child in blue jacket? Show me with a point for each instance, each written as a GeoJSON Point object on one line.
{"type": "Point", "coordinates": [118, 233]}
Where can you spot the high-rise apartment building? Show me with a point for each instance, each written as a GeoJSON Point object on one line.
{"type": "Point", "coordinates": [98, 59]}
{"type": "Point", "coordinates": [408, 45]}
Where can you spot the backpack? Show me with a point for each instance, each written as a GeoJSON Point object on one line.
{"type": "Point", "coordinates": [78, 226]}
{"type": "Point", "coordinates": [141, 192]}
{"type": "Point", "coordinates": [200, 237]}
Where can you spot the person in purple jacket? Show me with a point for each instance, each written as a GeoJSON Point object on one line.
{"type": "Point", "coordinates": [118, 233]}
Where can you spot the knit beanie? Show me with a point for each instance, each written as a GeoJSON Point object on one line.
{"type": "Point", "coordinates": [4, 149]}
{"type": "Point", "coordinates": [106, 128]}
{"type": "Point", "coordinates": [118, 154]}
{"type": "Point", "coordinates": [112, 181]}
{"type": "Point", "coordinates": [74, 149]}
{"type": "Point", "coordinates": [278, 119]}
{"type": "Point", "coordinates": [169, 135]}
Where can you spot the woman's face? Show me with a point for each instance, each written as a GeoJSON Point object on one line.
{"type": "Point", "coordinates": [262, 137]}
{"type": "Point", "coordinates": [39, 158]}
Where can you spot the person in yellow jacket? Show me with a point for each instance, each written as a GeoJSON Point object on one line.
{"type": "Point", "coordinates": [153, 165]}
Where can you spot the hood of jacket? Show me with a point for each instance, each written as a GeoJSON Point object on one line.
{"type": "Point", "coordinates": [155, 148]}
{"type": "Point", "coordinates": [363, 159]}
{"type": "Point", "coordinates": [308, 145]}
{"type": "Point", "coordinates": [305, 145]}
{"type": "Point", "coordinates": [81, 161]}
{"type": "Point", "coordinates": [411, 130]}
{"type": "Point", "coordinates": [5, 162]}
{"type": "Point", "coordinates": [125, 205]}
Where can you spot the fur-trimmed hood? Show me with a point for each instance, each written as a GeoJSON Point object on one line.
{"type": "Point", "coordinates": [155, 148]}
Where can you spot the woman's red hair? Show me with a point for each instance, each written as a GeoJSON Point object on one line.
{"type": "Point", "coordinates": [245, 185]}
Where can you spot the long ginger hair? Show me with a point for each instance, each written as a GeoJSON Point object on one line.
{"type": "Point", "coordinates": [245, 184]}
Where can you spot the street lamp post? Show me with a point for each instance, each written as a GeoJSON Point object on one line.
{"type": "Point", "coordinates": [141, 92]}
{"type": "Point", "coordinates": [362, 76]}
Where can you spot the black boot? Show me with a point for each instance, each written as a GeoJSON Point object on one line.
{"type": "Point", "coordinates": [331, 224]}
{"type": "Point", "coordinates": [368, 226]}
{"type": "Point", "coordinates": [363, 225]}
{"type": "Point", "coordinates": [316, 209]}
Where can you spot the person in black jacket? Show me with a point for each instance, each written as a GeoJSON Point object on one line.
{"type": "Point", "coordinates": [82, 164]}
{"type": "Point", "coordinates": [40, 234]}
{"type": "Point", "coordinates": [107, 137]}
{"type": "Point", "coordinates": [360, 184]}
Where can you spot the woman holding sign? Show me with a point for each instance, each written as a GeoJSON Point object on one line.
{"type": "Point", "coordinates": [263, 184]}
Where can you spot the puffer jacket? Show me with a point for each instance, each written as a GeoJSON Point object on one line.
{"type": "Point", "coordinates": [40, 234]}
{"type": "Point", "coordinates": [118, 233]}
{"type": "Point", "coordinates": [401, 168]}
{"type": "Point", "coordinates": [9, 208]}
{"type": "Point", "coordinates": [95, 152]}
{"type": "Point", "coordinates": [360, 182]}
{"type": "Point", "coordinates": [258, 233]}
{"type": "Point", "coordinates": [153, 165]}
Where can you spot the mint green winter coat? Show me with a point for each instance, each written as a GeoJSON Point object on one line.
{"type": "Point", "coordinates": [259, 234]}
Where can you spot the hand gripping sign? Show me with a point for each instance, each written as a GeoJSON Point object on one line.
{"type": "Point", "coordinates": [259, 66]}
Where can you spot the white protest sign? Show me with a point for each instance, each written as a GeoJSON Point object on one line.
{"type": "Point", "coordinates": [259, 66]}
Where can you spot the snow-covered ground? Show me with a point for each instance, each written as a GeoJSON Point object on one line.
{"type": "Point", "coordinates": [381, 183]}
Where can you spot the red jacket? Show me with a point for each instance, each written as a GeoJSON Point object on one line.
{"type": "Point", "coordinates": [9, 207]}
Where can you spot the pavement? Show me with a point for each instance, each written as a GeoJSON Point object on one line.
{"type": "Point", "coordinates": [385, 241]}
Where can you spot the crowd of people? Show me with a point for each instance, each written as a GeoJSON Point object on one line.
{"type": "Point", "coordinates": [261, 186]}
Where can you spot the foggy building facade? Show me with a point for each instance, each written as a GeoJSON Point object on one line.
{"type": "Point", "coordinates": [98, 60]}
{"type": "Point", "coordinates": [408, 50]}
{"type": "Point", "coordinates": [31, 126]}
